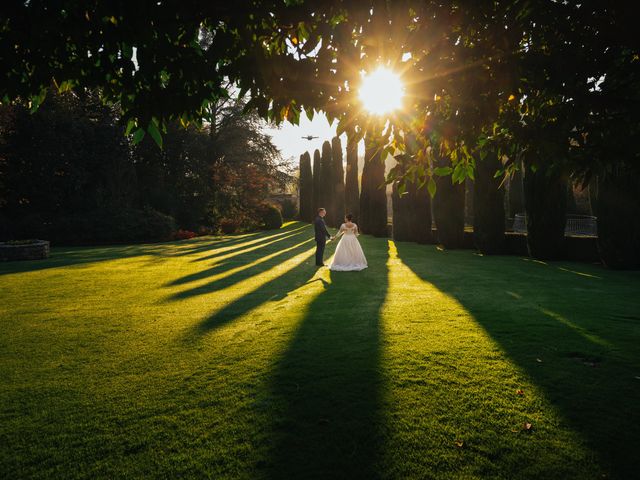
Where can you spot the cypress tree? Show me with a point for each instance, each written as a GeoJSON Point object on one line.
{"type": "Point", "coordinates": [422, 214]}
{"type": "Point", "coordinates": [317, 186]}
{"type": "Point", "coordinates": [545, 199]}
{"type": "Point", "coordinates": [373, 198]}
{"type": "Point", "coordinates": [488, 206]}
{"type": "Point", "coordinates": [338, 181]}
{"type": "Point", "coordinates": [411, 214]}
{"type": "Point", "coordinates": [326, 184]}
{"type": "Point", "coordinates": [306, 188]}
{"type": "Point", "coordinates": [617, 207]}
{"type": "Point", "coordinates": [400, 205]}
{"type": "Point", "coordinates": [352, 193]}
{"type": "Point", "coordinates": [448, 208]}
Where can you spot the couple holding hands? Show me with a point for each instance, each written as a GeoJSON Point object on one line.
{"type": "Point", "coordinates": [349, 255]}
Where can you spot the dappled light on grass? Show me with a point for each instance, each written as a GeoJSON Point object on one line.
{"type": "Point", "coordinates": [235, 298]}
{"type": "Point", "coordinates": [225, 253]}
{"type": "Point", "coordinates": [575, 406]}
{"type": "Point", "coordinates": [452, 388]}
{"type": "Point", "coordinates": [582, 274]}
{"type": "Point", "coordinates": [326, 386]}
{"type": "Point", "coordinates": [427, 364]}
{"type": "Point", "coordinates": [577, 328]}
{"type": "Point", "coordinates": [220, 271]}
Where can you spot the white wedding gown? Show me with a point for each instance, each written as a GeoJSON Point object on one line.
{"type": "Point", "coordinates": [349, 255]}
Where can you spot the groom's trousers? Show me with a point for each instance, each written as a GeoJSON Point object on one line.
{"type": "Point", "coordinates": [320, 252]}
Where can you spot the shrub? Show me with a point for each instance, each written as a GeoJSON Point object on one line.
{"type": "Point", "coordinates": [184, 234]}
{"type": "Point", "coordinates": [31, 225]}
{"type": "Point", "coordinates": [289, 209]}
{"type": "Point", "coordinates": [270, 216]}
{"type": "Point", "coordinates": [229, 225]}
{"type": "Point", "coordinates": [112, 226]}
{"type": "Point", "coordinates": [5, 229]}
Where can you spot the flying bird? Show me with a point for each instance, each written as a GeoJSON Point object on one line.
{"type": "Point", "coordinates": [309, 137]}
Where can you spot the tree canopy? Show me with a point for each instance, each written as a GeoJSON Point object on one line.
{"type": "Point", "coordinates": [556, 80]}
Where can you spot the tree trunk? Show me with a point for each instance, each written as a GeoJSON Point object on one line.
{"type": "Point", "coordinates": [448, 209]}
{"type": "Point", "coordinates": [469, 187]}
{"type": "Point", "coordinates": [327, 186]}
{"type": "Point", "coordinates": [488, 202]}
{"type": "Point", "coordinates": [317, 185]}
{"type": "Point", "coordinates": [402, 214]}
{"type": "Point", "coordinates": [617, 207]}
{"type": "Point", "coordinates": [545, 197]}
{"type": "Point", "coordinates": [306, 188]}
{"type": "Point", "coordinates": [412, 214]}
{"type": "Point", "coordinates": [373, 199]}
{"type": "Point", "coordinates": [338, 181]}
{"type": "Point", "coordinates": [352, 194]}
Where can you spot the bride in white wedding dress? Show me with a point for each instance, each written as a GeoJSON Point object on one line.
{"type": "Point", "coordinates": [349, 255]}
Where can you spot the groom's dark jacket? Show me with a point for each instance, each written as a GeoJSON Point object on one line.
{"type": "Point", "coordinates": [321, 230]}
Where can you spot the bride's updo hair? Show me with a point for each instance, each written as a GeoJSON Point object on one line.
{"type": "Point", "coordinates": [349, 217]}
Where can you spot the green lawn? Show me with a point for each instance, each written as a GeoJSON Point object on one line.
{"type": "Point", "coordinates": [235, 358]}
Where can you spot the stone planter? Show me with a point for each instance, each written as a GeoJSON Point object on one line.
{"type": "Point", "coordinates": [26, 250]}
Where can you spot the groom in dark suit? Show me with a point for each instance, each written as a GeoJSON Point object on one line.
{"type": "Point", "coordinates": [321, 236]}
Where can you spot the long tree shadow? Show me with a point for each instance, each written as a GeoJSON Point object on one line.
{"type": "Point", "coordinates": [254, 244]}
{"type": "Point", "coordinates": [295, 269]}
{"type": "Point", "coordinates": [71, 256]}
{"type": "Point", "coordinates": [574, 329]}
{"type": "Point", "coordinates": [225, 261]}
{"type": "Point", "coordinates": [281, 254]}
{"type": "Point", "coordinates": [327, 386]}
{"type": "Point", "coordinates": [67, 256]}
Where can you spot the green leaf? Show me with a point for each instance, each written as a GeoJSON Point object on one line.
{"type": "Point", "coordinates": [138, 136]}
{"type": "Point", "coordinates": [431, 187]}
{"type": "Point", "coordinates": [443, 171]}
{"type": "Point", "coordinates": [470, 172]}
{"type": "Point", "coordinates": [155, 133]}
{"type": "Point", "coordinates": [458, 174]}
{"type": "Point", "coordinates": [130, 124]}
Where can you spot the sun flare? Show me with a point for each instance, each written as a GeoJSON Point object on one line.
{"type": "Point", "coordinates": [381, 91]}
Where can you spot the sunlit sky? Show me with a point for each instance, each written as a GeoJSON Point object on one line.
{"type": "Point", "coordinates": [381, 92]}
{"type": "Point", "coordinates": [288, 137]}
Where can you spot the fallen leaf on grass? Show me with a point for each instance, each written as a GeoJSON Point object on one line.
{"type": "Point", "coordinates": [459, 443]}
{"type": "Point", "coordinates": [519, 392]}
{"type": "Point", "coordinates": [527, 427]}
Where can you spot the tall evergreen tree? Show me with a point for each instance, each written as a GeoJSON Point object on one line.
{"type": "Point", "coordinates": [448, 208]}
{"type": "Point", "coordinates": [352, 191]}
{"type": "Point", "coordinates": [306, 188]}
{"type": "Point", "coordinates": [545, 197]}
{"type": "Point", "coordinates": [373, 197]}
{"type": "Point", "coordinates": [411, 213]}
{"type": "Point", "coordinates": [488, 206]}
{"type": "Point", "coordinates": [412, 208]}
{"type": "Point", "coordinates": [338, 204]}
{"type": "Point", "coordinates": [326, 184]}
{"type": "Point", "coordinates": [617, 207]}
{"type": "Point", "coordinates": [317, 182]}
